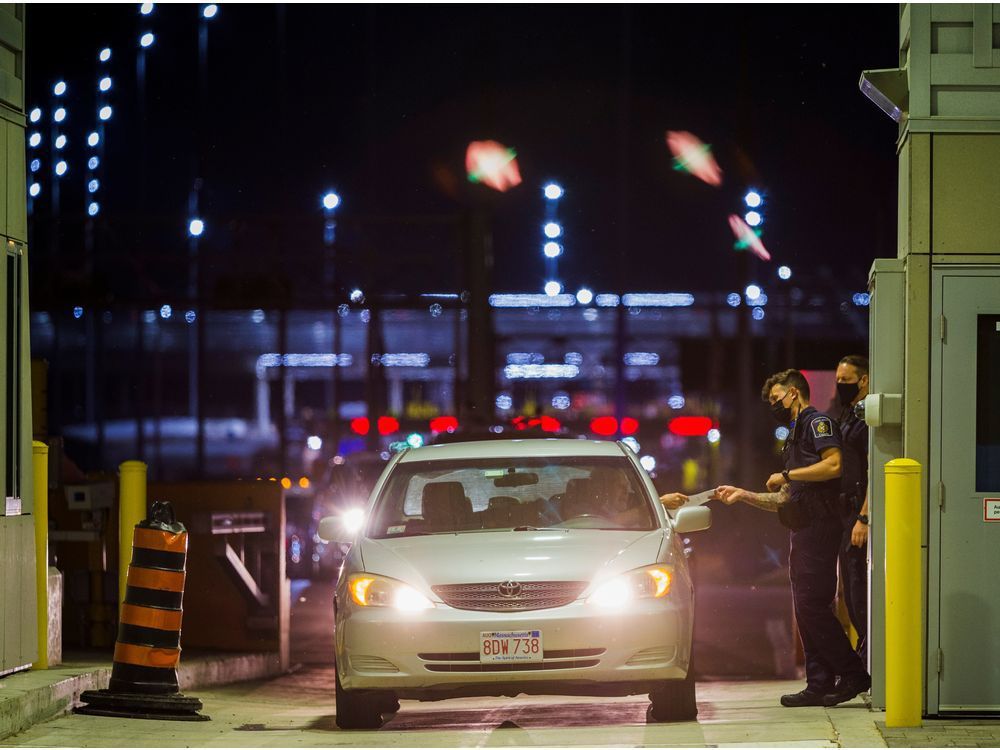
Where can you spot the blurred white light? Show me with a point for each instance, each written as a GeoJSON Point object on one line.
{"type": "Point", "coordinates": [758, 313]}
{"type": "Point", "coordinates": [59, 115]}
{"type": "Point", "coordinates": [607, 300]}
{"type": "Point", "coordinates": [525, 358]}
{"type": "Point", "coordinates": [357, 296]}
{"type": "Point", "coordinates": [104, 55]}
{"type": "Point", "coordinates": [147, 39]}
{"type": "Point", "coordinates": [531, 300]}
{"type": "Point", "coordinates": [210, 10]}
{"type": "Point", "coordinates": [34, 139]}
{"type": "Point", "coordinates": [552, 249]}
{"type": "Point", "coordinates": [642, 359]}
{"type": "Point", "coordinates": [752, 292]}
{"type": "Point", "coordinates": [331, 200]}
{"type": "Point", "coordinates": [754, 219]}
{"type": "Point", "coordinates": [166, 311]}
{"type": "Point", "coordinates": [504, 401]}
{"type": "Point", "coordinates": [35, 165]}
{"type": "Point", "coordinates": [862, 299]}
{"type": "Point", "coordinates": [733, 299]}
{"type": "Point", "coordinates": [196, 228]}
{"type": "Point", "coordinates": [668, 299]}
{"type": "Point", "coordinates": [761, 300]}
{"type": "Point", "coordinates": [552, 288]}
{"type": "Point", "coordinates": [536, 372]}
{"type": "Point", "coordinates": [561, 401]}
{"type": "Point", "coordinates": [714, 436]}
{"type": "Point", "coordinates": [104, 112]}
{"type": "Point", "coordinates": [93, 209]}
{"type": "Point", "coordinates": [93, 139]}
{"type": "Point", "coordinates": [676, 401]}
{"type": "Point", "coordinates": [60, 141]}
{"type": "Point", "coordinates": [105, 83]}
{"type": "Point", "coordinates": [60, 88]}
{"type": "Point", "coordinates": [552, 230]}
{"type": "Point", "coordinates": [648, 463]}
{"type": "Point", "coordinates": [257, 316]}
{"type": "Point", "coordinates": [553, 191]}
{"type": "Point", "coordinates": [146, 8]}
{"type": "Point", "coordinates": [36, 115]}
{"type": "Point", "coordinates": [315, 442]}
{"type": "Point", "coordinates": [35, 190]}
{"type": "Point", "coordinates": [781, 433]}
{"type": "Point", "coordinates": [190, 316]}
{"type": "Point", "coordinates": [93, 162]}
{"type": "Point", "coordinates": [353, 520]}
{"type": "Point", "coordinates": [405, 359]}
{"type": "Point", "coordinates": [784, 273]}
{"type": "Point", "coordinates": [585, 296]}
{"type": "Point", "coordinates": [77, 312]}
{"type": "Point", "coordinates": [753, 199]}
{"type": "Point", "coordinates": [61, 168]}
{"type": "Point", "coordinates": [633, 444]}
{"type": "Point", "coordinates": [614, 593]}
{"type": "Point", "coordinates": [415, 440]}
{"type": "Point", "coordinates": [93, 186]}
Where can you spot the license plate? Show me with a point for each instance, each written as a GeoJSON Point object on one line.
{"type": "Point", "coordinates": [510, 646]}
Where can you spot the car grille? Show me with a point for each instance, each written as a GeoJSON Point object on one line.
{"type": "Point", "coordinates": [537, 667]}
{"type": "Point", "coordinates": [562, 653]}
{"type": "Point", "coordinates": [486, 597]}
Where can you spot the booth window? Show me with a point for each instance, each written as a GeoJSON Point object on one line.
{"type": "Point", "coordinates": [988, 404]}
{"type": "Point", "coordinates": [12, 374]}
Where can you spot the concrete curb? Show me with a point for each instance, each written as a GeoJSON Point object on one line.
{"type": "Point", "coordinates": [28, 698]}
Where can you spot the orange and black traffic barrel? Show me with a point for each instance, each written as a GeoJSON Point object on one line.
{"type": "Point", "coordinates": [144, 672]}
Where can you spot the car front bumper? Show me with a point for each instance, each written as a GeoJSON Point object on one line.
{"type": "Point", "coordinates": [434, 653]}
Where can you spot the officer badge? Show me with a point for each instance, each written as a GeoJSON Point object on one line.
{"type": "Point", "coordinates": [822, 428]}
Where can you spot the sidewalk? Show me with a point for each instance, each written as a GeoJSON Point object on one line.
{"type": "Point", "coordinates": [27, 698]}
{"type": "Point", "coordinates": [944, 733]}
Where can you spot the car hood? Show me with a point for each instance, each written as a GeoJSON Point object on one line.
{"type": "Point", "coordinates": [544, 555]}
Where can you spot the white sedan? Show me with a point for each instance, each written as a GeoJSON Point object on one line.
{"type": "Point", "coordinates": [498, 568]}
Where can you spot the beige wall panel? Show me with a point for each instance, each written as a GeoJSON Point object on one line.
{"type": "Point", "coordinates": [966, 194]}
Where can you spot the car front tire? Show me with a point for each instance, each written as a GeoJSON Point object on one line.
{"type": "Point", "coordinates": [357, 709]}
{"type": "Point", "coordinates": [674, 700]}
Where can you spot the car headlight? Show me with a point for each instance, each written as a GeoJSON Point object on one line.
{"type": "Point", "coordinates": [375, 591]}
{"type": "Point", "coordinates": [651, 582]}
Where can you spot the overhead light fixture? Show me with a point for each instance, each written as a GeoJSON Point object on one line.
{"type": "Point", "coordinates": [888, 90]}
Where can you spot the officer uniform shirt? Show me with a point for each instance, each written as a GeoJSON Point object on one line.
{"type": "Point", "coordinates": [812, 433]}
{"type": "Point", "coordinates": [854, 434]}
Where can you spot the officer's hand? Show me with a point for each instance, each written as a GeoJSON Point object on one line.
{"type": "Point", "coordinates": [730, 495]}
{"type": "Point", "coordinates": [673, 500]}
{"type": "Point", "coordinates": [775, 482]}
{"type": "Point", "coordinates": [859, 534]}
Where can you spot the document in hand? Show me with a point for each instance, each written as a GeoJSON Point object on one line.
{"type": "Point", "coordinates": [700, 499]}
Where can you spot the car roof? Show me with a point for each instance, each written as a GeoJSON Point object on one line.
{"type": "Point", "coordinates": [534, 448]}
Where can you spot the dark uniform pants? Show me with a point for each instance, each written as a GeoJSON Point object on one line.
{"type": "Point", "coordinates": [813, 572]}
{"type": "Point", "coordinates": [854, 575]}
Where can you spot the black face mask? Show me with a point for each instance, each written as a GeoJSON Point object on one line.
{"type": "Point", "coordinates": [781, 413]}
{"type": "Point", "coordinates": [847, 392]}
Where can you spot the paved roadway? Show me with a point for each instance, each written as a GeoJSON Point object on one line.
{"type": "Point", "coordinates": [297, 710]}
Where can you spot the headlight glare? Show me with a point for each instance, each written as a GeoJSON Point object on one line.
{"type": "Point", "coordinates": [652, 582]}
{"type": "Point", "coordinates": [376, 591]}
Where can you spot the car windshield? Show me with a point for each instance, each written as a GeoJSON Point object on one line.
{"type": "Point", "coordinates": [436, 497]}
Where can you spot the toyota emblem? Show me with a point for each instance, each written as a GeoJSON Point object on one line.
{"type": "Point", "coordinates": [509, 588]}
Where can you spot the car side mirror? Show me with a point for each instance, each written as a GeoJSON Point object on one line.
{"type": "Point", "coordinates": [333, 529]}
{"type": "Point", "coordinates": [697, 518]}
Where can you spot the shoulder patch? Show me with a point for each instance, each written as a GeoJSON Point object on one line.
{"type": "Point", "coordinates": [821, 427]}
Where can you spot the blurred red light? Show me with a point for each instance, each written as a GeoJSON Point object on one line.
{"type": "Point", "coordinates": [444, 424]}
{"type": "Point", "coordinates": [387, 425]}
{"type": "Point", "coordinates": [690, 426]}
{"type": "Point", "coordinates": [605, 426]}
{"type": "Point", "coordinates": [360, 425]}
{"type": "Point", "coordinates": [492, 164]}
{"type": "Point", "coordinates": [549, 424]}
{"type": "Point", "coordinates": [630, 426]}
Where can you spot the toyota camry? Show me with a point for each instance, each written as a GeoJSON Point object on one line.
{"type": "Point", "coordinates": [517, 566]}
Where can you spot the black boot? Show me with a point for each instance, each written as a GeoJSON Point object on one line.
{"type": "Point", "coordinates": [805, 697]}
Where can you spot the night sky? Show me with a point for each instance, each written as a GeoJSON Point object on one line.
{"type": "Point", "coordinates": [380, 102]}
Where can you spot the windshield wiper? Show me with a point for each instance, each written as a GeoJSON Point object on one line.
{"type": "Point", "coordinates": [536, 528]}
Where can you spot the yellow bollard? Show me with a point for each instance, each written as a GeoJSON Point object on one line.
{"type": "Point", "coordinates": [903, 608]}
{"type": "Point", "coordinates": [131, 510]}
{"type": "Point", "coordinates": [40, 475]}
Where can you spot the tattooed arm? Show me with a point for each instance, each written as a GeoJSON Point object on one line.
{"type": "Point", "coordinates": [769, 501]}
